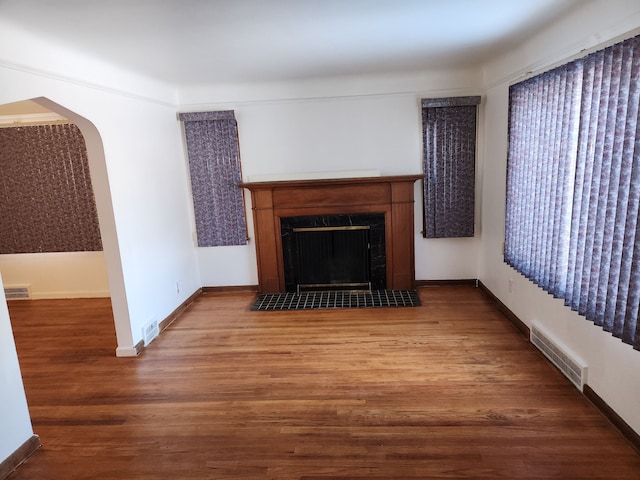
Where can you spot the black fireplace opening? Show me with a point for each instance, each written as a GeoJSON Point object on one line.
{"type": "Point", "coordinates": [334, 252]}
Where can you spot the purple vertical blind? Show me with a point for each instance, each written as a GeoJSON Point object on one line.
{"type": "Point", "coordinates": [214, 165]}
{"type": "Point", "coordinates": [449, 135]}
{"type": "Point", "coordinates": [573, 186]}
{"type": "Point", "coordinates": [542, 141]}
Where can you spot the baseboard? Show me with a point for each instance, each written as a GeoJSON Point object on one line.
{"type": "Point", "coordinates": [179, 311]}
{"type": "Point", "coordinates": [63, 295]}
{"type": "Point", "coordinates": [231, 289]}
{"type": "Point", "coordinates": [512, 317]}
{"type": "Point", "coordinates": [17, 458]}
{"type": "Point", "coordinates": [617, 421]}
{"type": "Point", "coordinates": [162, 326]}
{"type": "Point", "coordinates": [74, 294]}
{"type": "Point", "coordinates": [128, 351]}
{"type": "Point", "coordinates": [446, 283]}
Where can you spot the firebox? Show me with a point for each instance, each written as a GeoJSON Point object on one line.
{"type": "Point", "coordinates": [334, 252]}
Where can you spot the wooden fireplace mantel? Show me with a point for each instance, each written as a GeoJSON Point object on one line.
{"type": "Point", "coordinates": [390, 195]}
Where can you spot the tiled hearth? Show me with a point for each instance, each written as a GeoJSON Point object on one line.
{"type": "Point", "coordinates": [339, 299]}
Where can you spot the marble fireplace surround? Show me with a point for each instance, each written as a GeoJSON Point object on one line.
{"type": "Point", "coordinates": [390, 195]}
{"type": "Point", "coordinates": [372, 229]}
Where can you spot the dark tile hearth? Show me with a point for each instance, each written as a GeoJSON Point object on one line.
{"type": "Point", "coordinates": [336, 299]}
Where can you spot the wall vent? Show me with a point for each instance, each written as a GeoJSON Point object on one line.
{"type": "Point", "coordinates": [18, 292]}
{"type": "Point", "coordinates": [150, 331]}
{"type": "Point", "coordinates": [574, 368]}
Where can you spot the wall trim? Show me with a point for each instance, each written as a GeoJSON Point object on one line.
{"type": "Point", "coordinates": [512, 317]}
{"type": "Point", "coordinates": [609, 413]}
{"type": "Point", "coordinates": [17, 458]}
{"type": "Point", "coordinates": [127, 351]}
{"type": "Point", "coordinates": [164, 324]}
{"type": "Point", "coordinates": [29, 119]}
{"type": "Point", "coordinates": [231, 289]}
{"type": "Point", "coordinates": [103, 88]}
{"type": "Point", "coordinates": [179, 311]}
{"type": "Point", "coordinates": [74, 294]}
{"type": "Point", "coordinates": [447, 283]}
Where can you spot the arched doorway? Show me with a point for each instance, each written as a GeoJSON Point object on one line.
{"type": "Point", "coordinates": [100, 183]}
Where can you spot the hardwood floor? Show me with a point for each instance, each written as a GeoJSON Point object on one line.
{"type": "Point", "coordinates": [446, 390]}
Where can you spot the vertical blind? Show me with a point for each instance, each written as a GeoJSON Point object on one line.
{"type": "Point", "coordinates": [573, 186]}
{"type": "Point", "coordinates": [46, 195]}
{"type": "Point", "coordinates": [214, 165]}
{"type": "Point", "coordinates": [449, 135]}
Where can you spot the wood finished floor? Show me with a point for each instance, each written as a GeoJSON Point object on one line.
{"type": "Point", "coordinates": [447, 390]}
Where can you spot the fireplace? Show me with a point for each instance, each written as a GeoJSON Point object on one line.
{"type": "Point", "coordinates": [341, 201]}
{"type": "Point", "coordinates": [334, 252]}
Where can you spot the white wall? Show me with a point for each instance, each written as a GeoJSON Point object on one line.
{"type": "Point", "coordinates": [613, 366]}
{"type": "Point", "coordinates": [140, 182]}
{"type": "Point", "coordinates": [324, 126]}
{"type": "Point", "coordinates": [137, 167]}
{"type": "Point", "coordinates": [14, 414]}
{"type": "Point", "coordinates": [57, 275]}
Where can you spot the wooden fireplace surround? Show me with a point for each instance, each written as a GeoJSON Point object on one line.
{"type": "Point", "coordinates": [391, 195]}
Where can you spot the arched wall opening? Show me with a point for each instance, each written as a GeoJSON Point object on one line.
{"type": "Point", "coordinates": [102, 194]}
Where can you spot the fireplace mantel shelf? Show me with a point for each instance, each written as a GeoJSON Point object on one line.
{"type": "Point", "coordinates": [330, 181]}
{"type": "Point", "coordinates": [390, 195]}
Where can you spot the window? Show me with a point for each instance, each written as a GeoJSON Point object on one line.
{"type": "Point", "coordinates": [214, 165]}
{"type": "Point", "coordinates": [449, 135]}
{"type": "Point", "coordinates": [573, 186]}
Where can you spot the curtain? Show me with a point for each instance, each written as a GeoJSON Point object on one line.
{"type": "Point", "coordinates": [573, 186]}
{"type": "Point", "coordinates": [449, 135]}
{"type": "Point", "coordinates": [214, 165]}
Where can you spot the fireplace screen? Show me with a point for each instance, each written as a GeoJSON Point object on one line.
{"type": "Point", "coordinates": [338, 252]}
{"type": "Point", "coordinates": [332, 257]}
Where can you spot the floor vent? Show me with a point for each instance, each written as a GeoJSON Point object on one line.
{"type": "Point", "coordinates": [150, 331]}
{"type": "Point", "coordinates": [17, 293]}
{"type": "Point", "coordinates": [570, 365]}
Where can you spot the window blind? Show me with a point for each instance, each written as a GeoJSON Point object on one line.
{"type": "Point", "coordinates": [46, 195]}
{"type": "Point", "coordinates": [573, 186]}
{"type": "Point", "coordinates": [449, 136]}
{"type": "Point", "coordinates": [214, 165]}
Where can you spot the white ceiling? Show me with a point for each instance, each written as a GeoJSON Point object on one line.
{"type": "Point", "coordinates": [186, 42]}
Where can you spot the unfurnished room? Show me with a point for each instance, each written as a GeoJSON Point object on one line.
{"type": "Point", "coordinates": [319, 239]}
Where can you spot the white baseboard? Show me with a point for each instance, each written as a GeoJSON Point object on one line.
{"type": "Point", "coordinates": [126, 352]}
{"type": "Point", "coordinates": [74, 294]}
